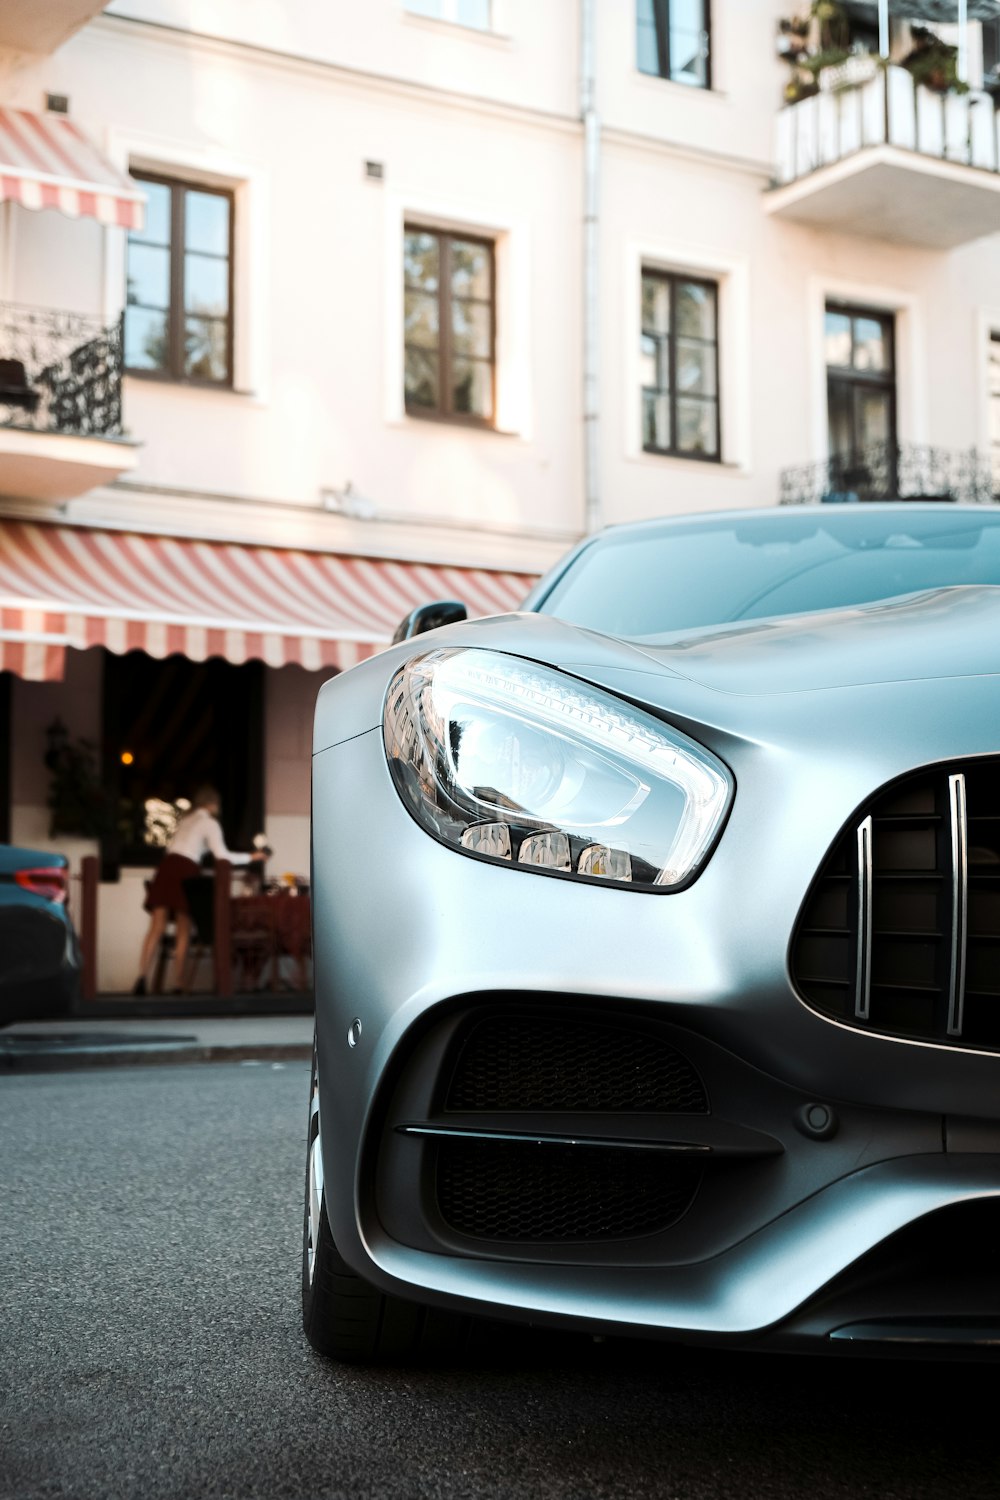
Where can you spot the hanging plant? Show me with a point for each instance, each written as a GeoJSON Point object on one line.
{"type": "Point", "coordinates": [933, 64]}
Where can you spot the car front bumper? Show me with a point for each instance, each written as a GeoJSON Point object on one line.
{"type": "Point", "coordinates": [411, 938]}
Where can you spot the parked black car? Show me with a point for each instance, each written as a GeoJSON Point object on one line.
{"type": "Point", "coordinates": [39, 954]}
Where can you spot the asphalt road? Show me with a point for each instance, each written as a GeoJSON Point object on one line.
{"type": "Point", "coordinates": [150, 1345]}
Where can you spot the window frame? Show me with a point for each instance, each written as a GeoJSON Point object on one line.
{"type": "Point", "coordinates": [661, 21]}
{"type": "Point", "coordinates": [443, 412]}
{"type": "Point", "coordinates": [174, 373]}
{"type": "Point", "coordinates": [852, 378]}
{"type": "Point", "coordinates": [672, 279]}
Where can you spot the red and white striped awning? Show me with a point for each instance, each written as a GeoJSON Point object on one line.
{"type": "Point", "coordinates": [72, 586]}
{"type": "Point", "coordinates": [46, 161]}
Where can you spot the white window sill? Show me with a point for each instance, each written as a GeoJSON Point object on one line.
{"type": "Point", "coordinates": [470, 33]}
{"type": "Point", "coordinates": [691, 90]}
{"type": "Point", "coordinates": [706, 466]}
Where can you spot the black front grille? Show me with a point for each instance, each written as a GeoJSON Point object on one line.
{"type": "Point", "coordinates": [500, 1190]}
{"type": "Point", "coordinates": [559, 1062]}
{"type": "Point", "coordinates": [900, 933]}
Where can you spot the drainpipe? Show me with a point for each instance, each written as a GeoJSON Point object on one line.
{"type": "Point", "coordinates": [883, 28]}
{"type": "Point", "coordinates": [591, 177]}
{"type": "Point", "coordinates": [963, 41]}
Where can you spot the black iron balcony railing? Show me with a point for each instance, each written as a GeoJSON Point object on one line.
{"type": "Point", "coordinates": [60, 372]}
{"type": "Point", "coordinates": [891, 471]}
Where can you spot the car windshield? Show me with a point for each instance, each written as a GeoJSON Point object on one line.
{"type": "Point", "coordinates": [686, 575]}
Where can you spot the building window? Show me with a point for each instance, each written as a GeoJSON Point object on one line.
{"type": "Point", "coordinates": [991, 55]}
{"type": "Point", "coordinates": [673, 40]}
{"type": "Point", "coordinates": [178, 314]}
{"type": "Point", "coordinates": [861, 387]}
{"type": "Point", "coordinates": [449, 317]}
{"type": "Point", "coordinates": [473, 13]}
{"type": "Point", "coordinates": [680, 365]}
{"type": "Point", "coordinates": [994, 378]}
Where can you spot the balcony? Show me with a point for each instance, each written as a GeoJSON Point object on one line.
{"type": "Point", "coordinates": [884, 157]}
{"type": "Point", "coordinates": [891, 471]}
{"type": "Point", "coordinates": [42, 27]}
{"type": "Point", "coordinates": [60, 404]}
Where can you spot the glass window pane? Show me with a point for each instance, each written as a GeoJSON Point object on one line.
{"type": "Point", "coordinates": [870, 345]}
{"type": "Point", "coordinates": [206, 355]}
{"type": "Point", "coordinates": [148, 277]}
{"type": "Point", "coordinates": [874, 425]}
{"type": "Point", "coordinates": [206, 286]}
{"type": "Point", "coordinates": [837, 338]}
{"type": "Point", "coordinates": [696, 426]}
{"type": "Point", "coordinates": [655, 305]}
{"type": "Point", "coordinates": [473, 13]}
{"type": "Point", "coordinates": [648, 362]}
{"type": "Point", "coordinates": [647, 54]}
{"type": "Point", "coordinates": [695, 310]}
{"type": "Point", "coordinates": [421, 378]}
{"type": "Point", "coordinates": [841, 439]}
{"type": "Point", "coordinates": [472, 387]}
{"type": "Point", "coordinates": [655, 420]}
{"type": "Point", "coordinates": [472, 331]}
{"type": "Point", "coordinates": [421, 260]}
{"type": "Point", "coordinates": [206, 222]}
{"type": "Point", "coordinates": [695, 365]}
{"type": "Point", "coordinates": [470, 269]}
{"type": "Point", "coordinates": [688, 42]}
{"type": "Point", "coordinates": [425, 8]}
{"type": "Point", "coordinates": [145, 339]}
{"type": "Point", "coordinates": [421, 319]}
{"type": "Point", "coordinates": [157, 227]}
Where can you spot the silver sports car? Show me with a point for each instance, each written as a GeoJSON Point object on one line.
{"type": "Point", "coordinates": [657, 946]}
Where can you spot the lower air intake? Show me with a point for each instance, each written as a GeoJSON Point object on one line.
{"type": "Point", "coordinates": [560, 1062]}
{"type": "Point", "coordinates": [509, 1191]}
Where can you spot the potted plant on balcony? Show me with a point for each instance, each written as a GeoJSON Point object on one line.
{"type": "Point", "coordinates": [933, 64]}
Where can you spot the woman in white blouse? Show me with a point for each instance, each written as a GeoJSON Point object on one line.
{"type": "Point", "coordinates": [199, 832]}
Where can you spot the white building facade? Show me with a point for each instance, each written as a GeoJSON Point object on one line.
{"type": "Point", "coordinates": [339, 354]}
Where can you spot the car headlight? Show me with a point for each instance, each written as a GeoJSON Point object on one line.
{"type": "Point", "coordinates": [518, 763]}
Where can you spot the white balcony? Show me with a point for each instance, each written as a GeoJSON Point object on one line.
{"type": "Point", "coordinates": [892, 161]}
{"type": "Point", "coordinates": [43, 25]}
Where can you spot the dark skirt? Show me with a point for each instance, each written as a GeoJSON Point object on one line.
{"type": "Point", "coordinates": [166, 887]}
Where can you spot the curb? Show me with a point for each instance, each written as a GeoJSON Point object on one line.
{"type": "Point", "coordinates": [72, 1058]}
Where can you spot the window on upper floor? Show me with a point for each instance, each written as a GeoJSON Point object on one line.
{"type": "Point", "coordinates": [680, 365]}
{"type": "Point", "coordinates": [861, 392]}
{"type": "Point", "coordinates": [673, 40]}
{"type": "Point", "coordinates": [178, 312]}
{"type": "Point", "coordinates": [991, 54]}
{"type": "Point", "coordinates": [449, 310]}
{"type": "Point", "coordinates": [474, 13]}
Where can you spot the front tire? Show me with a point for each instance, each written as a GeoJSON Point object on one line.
{"type": "Point", "coordinates": [344, 1317]}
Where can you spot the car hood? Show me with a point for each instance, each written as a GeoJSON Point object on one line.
{"type": "Point", "coordinates": [951, 632]}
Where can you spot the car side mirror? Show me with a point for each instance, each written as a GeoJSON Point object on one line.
{"type": "Point", "coordinates": [429, 617]}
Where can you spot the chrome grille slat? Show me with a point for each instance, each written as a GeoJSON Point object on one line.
{"type": "Point", "coordinates": [959, 901]}
{"type": "Point", "coordinates": [863, 991]}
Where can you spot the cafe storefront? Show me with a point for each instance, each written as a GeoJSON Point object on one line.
{"type": "Point", "coordinates": [135, 668]}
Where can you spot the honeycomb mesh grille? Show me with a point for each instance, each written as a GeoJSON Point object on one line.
{"type": "Point", "coordinates": [920, 959]}
{"type": "Point", "coordinates": [508, 1191]}
{"type": "Point", "coordinates": [518, 1062]}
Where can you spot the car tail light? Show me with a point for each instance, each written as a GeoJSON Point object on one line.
{"type": "Point", "coordinates": [49, 882]}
